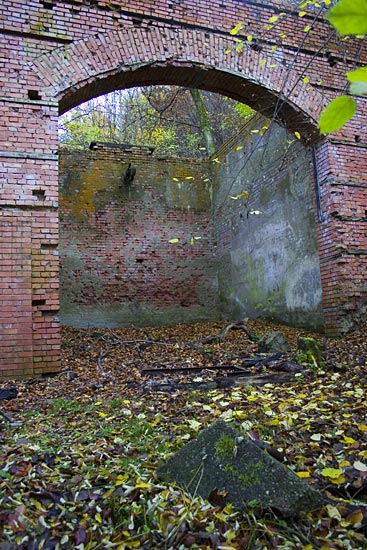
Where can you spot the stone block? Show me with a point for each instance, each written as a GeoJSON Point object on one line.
{"type": "Point", "coordinates": [222, 461]}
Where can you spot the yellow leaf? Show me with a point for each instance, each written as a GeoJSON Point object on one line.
{"type": "Point", "coordinates": [254, 131]}
{"type": "Point", "coordinates": [272, 65]}
{"type": "Point", "coordinates": [344, 463]}
{"type": "Point", "coordinates": [249, 38]}
{"type": "Point", "coordinates": [252, 397]}
{"type": "Point", "coordinates": [307, 547]}
{"type": "Point", "coordinates": [335, 475]}
{"type": "Point", "coordinates": [273, 48]}
{"type": "Point", "coordinates": [173, 241]}
{"type": "Point", "coordinates": [262, 62]}
{"type": "Point", "coordinates": [98, 403]}
{"type": "Point", "coordinates": [143, 485]}
{"type": "Point", "coordinates": [298, 135]}
{"type": "Point", "coordinates": [236, 29]}
{"type": "Point", "coordinates": [302, 13]}
{"type": "Point", "coordinates": [274, 422]}
{"type": "Point", "coordinates": [102, 414]}
{"type": "Point", "coordinates": [348, 440]}
{"type": "Point", "coordinates": [228, 50]}
{"type": "Point", "coordinates": [98, 517]}
{"type": "Point", "coordinates": [306, 80]}
{"type": "Point", "coordinates": [307, 28]}
{"type": "Point", "coordinates": [192, 240]}
{"type": "Point", "coordinates": [273, 19]}
{"type": "Point", "coordinates": [362, 427]}
{"type": "Point", "coordinates": [332, 473]}
{"type": "Point", "coordinates": [228, 509]}
{"type": "Point", "coordinates": [239, 47]}
{"type": "Point", "coordinates": [239, 148]}
{"type": "Point", "coordinates": [303, 474]}
{"type": "Point", "coordinates": [121, 478]}
{"type": "Point", "coordinates": [240, 414]}
{"type": "Point", "coordinates": [333, 512]}
{"type": "Point", "coordinates": [189, 178]}
{"type": "Point", "coordinates": [175, 179]}
{"type": "Point", "coordinates": [230, 535]}
{"type": "Point", "coordinates": [282, 35]}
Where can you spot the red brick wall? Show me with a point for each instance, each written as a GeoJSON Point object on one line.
{"type": "Point", "coordinates": [55, 54]}
{"type": "Point", "coordinates": [118, 267]}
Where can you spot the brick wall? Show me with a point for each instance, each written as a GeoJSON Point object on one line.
{"type": "Point", "coordinates": [118, 267]}
{"type": "Point", "coordinates": [56, 54]}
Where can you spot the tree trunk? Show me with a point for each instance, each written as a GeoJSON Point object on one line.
{"type": "Point", "coordinates": [203, 121]}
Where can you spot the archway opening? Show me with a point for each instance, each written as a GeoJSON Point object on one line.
{"type": "Point", "coordinates": [194, 236]}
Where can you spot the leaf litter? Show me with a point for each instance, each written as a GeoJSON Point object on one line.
{"type": "Point", "coordinates": [78, 459]}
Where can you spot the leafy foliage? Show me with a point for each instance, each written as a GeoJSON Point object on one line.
{"type": "Point", "coordinates": [160, 116]}
{"type": "Point", "coordinates": [348, 17]}
{"type": "Point", "coordinates": [80, 471]}
{"type": "Point", "coordinates": [337, 113]}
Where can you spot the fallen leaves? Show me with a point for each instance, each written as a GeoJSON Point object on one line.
{"type": "Point", "coordinates": [80, 470]}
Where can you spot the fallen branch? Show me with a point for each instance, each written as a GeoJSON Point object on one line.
{"type": "Point", "coordinates": [241, 325]}
{"type": "Point", "coordinates": [223, 382]}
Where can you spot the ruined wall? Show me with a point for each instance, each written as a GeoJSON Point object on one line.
{"type": "Point", "coordinates": [268, 261]}
{"type": "Point", "coordinates": [118, 267]}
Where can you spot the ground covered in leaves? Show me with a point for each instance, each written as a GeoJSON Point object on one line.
{"type": "Point", "coordinates": [78, 461]}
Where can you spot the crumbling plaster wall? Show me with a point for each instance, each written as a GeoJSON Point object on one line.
{"type": "Point", "coordinates": [267, 261]}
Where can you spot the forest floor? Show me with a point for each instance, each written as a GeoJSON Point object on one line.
{"type": "Point", "coordinates": [78, 460]}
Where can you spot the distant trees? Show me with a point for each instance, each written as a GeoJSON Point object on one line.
{"type": "Point", "coordinates": [176, 121]}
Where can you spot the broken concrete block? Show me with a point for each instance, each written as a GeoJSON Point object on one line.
{"type": "Point", "coordinates": [273, 342]}
{"type": "Point", "coordinates": [222, 461]}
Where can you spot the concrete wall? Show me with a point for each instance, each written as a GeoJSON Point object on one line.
{"type": "Point", "coordinates": [268, 263]}
{"type": "Point", "coordinates": [118, 267]}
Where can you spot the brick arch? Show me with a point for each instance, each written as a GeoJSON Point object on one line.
{"type": "Point", "coordinates": [192, 58]}
{"type": "Point", "coordinates": [54, 60]}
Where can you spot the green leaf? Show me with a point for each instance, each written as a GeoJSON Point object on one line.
{"type": "Point", "coordinates": [358, 88]}
{"type": "Point", "coordinates": [336, 114]}
{"type": "Point", "coordinates": [359, 75]}
{"type": "Point", "coordinates": [349, 17]}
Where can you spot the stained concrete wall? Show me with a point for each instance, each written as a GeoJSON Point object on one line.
{"type": "Point", "coordinates": [118, 267]}
{"type": "Point", "coordinates": [267, 263]}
